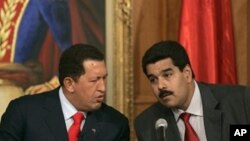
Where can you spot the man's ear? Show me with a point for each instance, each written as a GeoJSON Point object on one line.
{"type": "Point", "coordinates": [68, 84]}
{"type": "Point", "coordinates": [188, 73]}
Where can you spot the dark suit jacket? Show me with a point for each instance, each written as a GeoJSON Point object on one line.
{"type": "Point", "coordinates": [222, 106]}
{"type": "Point", "coordinates": [40, 118]}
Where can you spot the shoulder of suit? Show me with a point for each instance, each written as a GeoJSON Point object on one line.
{"type": "Point", "coordinates": [151, 111]}
{"type": "Point", "coordinates": [111, 112]}
{"type": "Point", "coordinates": [36, 99]}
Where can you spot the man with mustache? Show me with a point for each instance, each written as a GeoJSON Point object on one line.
{"type": "Point", "coordinates": [194, 111]}
{"type": "Point", "coordinates": [75, 111]}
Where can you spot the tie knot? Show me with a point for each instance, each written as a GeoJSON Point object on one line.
{"type": "Point", "coordinates": [185, 117]}
{"type": "Point", "coordinates": [78, 117]}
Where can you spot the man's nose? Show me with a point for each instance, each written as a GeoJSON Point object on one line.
{"type": "Point", "coordinates": [102, 85]}
{"type": "Point", "coordinates": [162, 83]}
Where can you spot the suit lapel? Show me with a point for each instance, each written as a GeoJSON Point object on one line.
{"type": "Point", "coordinates": [92, 127]}
{"type": "Point", "coordinates": [172, 132]}
{"type": "Point", "coordinates": [54, 116]}
{"type": "Point", "coordinates": [212, 117]}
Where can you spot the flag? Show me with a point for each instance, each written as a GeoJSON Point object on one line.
{"type": "Point", "coordinates": [206, 31]}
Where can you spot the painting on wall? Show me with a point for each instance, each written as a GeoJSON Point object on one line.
{"type": "Point", "coordinates": [33, 33]}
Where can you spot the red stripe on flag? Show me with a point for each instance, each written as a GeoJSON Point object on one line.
{"type": "Point", "coordinates": [206, 31]}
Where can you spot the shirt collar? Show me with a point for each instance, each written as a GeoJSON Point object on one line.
{"type": "Point", "coordinates": [68, 109]}
{"type": "Point", "coordinates": [195, 107]}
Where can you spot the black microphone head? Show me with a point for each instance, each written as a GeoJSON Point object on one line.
{"type": "Point", "coordinates": [161, 122]}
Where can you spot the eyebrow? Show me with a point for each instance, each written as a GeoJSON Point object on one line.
{"type": "Point", "coordinates": [166, 70]}
{"type": "Point", "coordinates": [163, 71]}
{"type": "Point", "coordinates": [106, 75]}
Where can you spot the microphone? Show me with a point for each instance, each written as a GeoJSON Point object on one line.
{"type": "Point", "coordinates": [161, 127]}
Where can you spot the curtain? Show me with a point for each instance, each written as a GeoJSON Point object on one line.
{"type": "Point", "coordinates": [206, 31]}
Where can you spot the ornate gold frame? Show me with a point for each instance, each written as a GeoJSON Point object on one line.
{"type": "Point", "coordinates": [120, 54]}
{"type": "Point", "coordinates": [123, 62]}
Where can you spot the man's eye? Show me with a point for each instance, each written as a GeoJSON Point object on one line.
{"type": "Point", "coordinates": [152, 80]}
{"type": "Point", "coordinates": [167, 75]}
{"type": "Point", "coordinates": [93, 80]}
{"type": "Point", "coordinates": [105, 77]}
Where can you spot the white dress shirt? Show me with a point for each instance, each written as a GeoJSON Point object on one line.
{"type": "Point", "coordinates": [197, 117]}
{"type": "Point", "coordinates": [68, 110]}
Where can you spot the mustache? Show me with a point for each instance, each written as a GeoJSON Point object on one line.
{"type": "Point", "coordinates": [164, 93]}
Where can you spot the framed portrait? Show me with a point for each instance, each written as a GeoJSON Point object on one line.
{"type": "Point", "coordinates": [34, 33]}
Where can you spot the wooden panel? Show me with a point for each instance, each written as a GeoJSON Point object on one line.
{"type": "Point", "coordinates": [143, 102]}
{"type": "Point", "coordinates": [172, 14]}
{"type": "Point", "coordinates": [240, 32]}
{"type": "Point", "coordinates": [153, 21]}
{"type": "Point", "coordinates": [248, 42]}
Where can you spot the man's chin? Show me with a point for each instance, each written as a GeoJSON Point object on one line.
{"type": "Point", "coordinates": [96, 106]}
{"type": "Point", "coordinates": [167, 104]}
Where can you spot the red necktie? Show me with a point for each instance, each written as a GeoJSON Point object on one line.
{"type": "Point", "coordinates": [190, 134]}
{"type": "Point", "coordinates": [74, 129]}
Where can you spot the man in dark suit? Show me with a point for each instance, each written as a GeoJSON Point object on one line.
{"type": "Point", "coordinates": [48, 116]}
{"type": "Point", "coordinates": [211, 108]}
